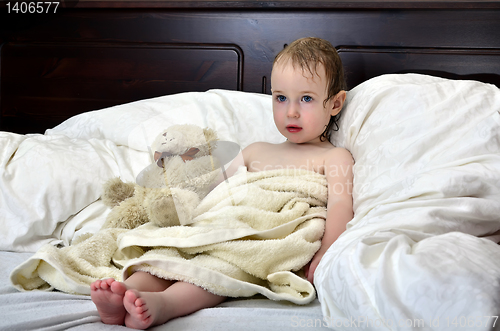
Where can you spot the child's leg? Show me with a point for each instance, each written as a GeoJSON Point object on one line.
{"type": "Point", "coordinates": [146, 282]}
{"type": "Point", "coordinates": [145, 309]}
{"type": "Point", "coordinates": [108, 294]}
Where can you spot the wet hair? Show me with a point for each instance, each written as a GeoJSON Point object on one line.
{"type": "Point", "coordinates": [308, 53]}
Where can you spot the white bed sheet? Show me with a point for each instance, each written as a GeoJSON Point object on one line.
{"type": "Point", "coordinates": [426, 197]}
{"type": "Point", "coordinates": [39, 310]}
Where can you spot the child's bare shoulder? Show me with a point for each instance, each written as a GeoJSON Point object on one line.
{"type": "Point", "coordinates": [338, 155]}
{"type": "Point", "coordinates": [256, 147]}
{"type": "Point", "coordinates": [255, 151]}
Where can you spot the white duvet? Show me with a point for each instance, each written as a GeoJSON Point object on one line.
{"type": "Point", "coordinates": [426, 197]}
{"type": "Point", "coordinates": [421, 251]}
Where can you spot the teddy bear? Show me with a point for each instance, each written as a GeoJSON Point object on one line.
{"type": "Point", "coordinates": [167, 191]}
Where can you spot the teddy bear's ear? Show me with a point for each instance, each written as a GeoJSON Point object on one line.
{"type": "Point", "coordinates": [210, 135]}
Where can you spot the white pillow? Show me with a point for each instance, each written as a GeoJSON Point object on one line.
{"type": "Point", "coordinates": [426, 179]}
{"type": "Point", "coordinates": [50, 182]}
{"type": "Point", "coordinates": [240, 117]}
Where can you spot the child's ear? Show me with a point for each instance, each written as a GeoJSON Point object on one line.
{"type": "Point", "coordinates": [338, 102]}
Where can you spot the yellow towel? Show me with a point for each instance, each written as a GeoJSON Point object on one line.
{"type": "Point", "coordinates": [251, 234]}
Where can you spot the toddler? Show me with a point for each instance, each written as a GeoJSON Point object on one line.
{"type": "Point", "coordinates": [308, 92]}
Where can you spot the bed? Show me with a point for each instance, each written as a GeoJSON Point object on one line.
{"type": "Point", "coordinates": [93, 80]}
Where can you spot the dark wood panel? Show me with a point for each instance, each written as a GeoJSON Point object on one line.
{"type": "Point", "coordinates": [261, 34]}
{"type": "Point", "coordinates": [55, 81]}
{"type": "Point", "coordinates": [83, 59]}
{"type": "Point", "coordinates": [362, 63]}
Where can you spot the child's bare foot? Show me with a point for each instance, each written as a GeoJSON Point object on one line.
{"type": "Point", "coordinates": [145, 309]}
{"type": "Point", "coordinates": [107, 295]}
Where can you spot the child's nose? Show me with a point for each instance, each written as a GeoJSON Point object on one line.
{"type": "Point", "coordinates": [293, 110]}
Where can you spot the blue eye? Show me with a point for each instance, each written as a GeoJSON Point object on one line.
{"type": "Point", "coordinates": [281, 98]}
{"type": "Point", "coordinates": [307, 98]}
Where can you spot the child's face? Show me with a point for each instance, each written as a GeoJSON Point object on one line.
{"type": "Point", "coordinates": [299, 110]}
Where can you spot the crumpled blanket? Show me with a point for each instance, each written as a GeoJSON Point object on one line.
{"type": "Point", "coordinates": [252, 234]}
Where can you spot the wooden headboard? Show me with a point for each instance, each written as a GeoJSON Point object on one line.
{"type": "Point", "coordinates": [89, 55]}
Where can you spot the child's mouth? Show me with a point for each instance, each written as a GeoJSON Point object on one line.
{"type": "Point", "coordinates": [293, 128]}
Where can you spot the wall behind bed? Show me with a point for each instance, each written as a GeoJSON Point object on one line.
{"type": "Point", "coordinates": [93, 54]}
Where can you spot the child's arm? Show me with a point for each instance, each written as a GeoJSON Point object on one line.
{"type": "Point", "coordinates": [338, 171]}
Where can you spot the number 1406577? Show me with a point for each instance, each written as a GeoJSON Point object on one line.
{"type": "Point", "coordinates": [39, 7]}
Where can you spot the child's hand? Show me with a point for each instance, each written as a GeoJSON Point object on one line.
{"type": "Point", "coordinates": [310, 268]}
